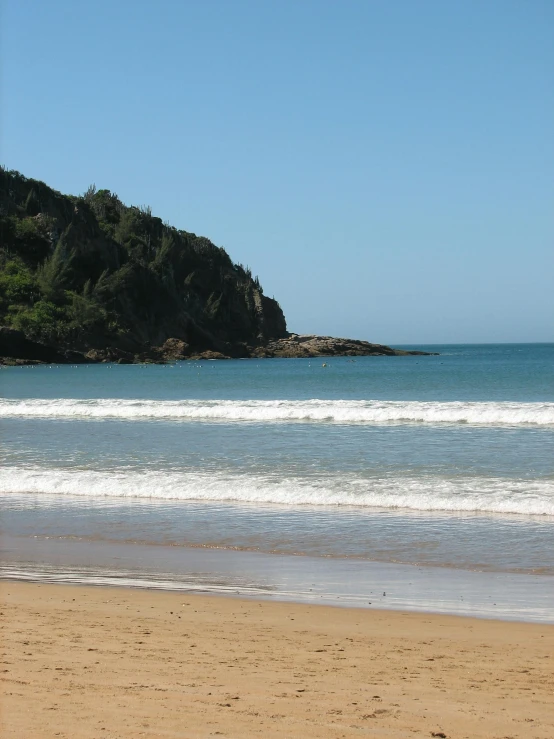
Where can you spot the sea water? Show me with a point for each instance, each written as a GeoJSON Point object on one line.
{"type": "Point", "coordinates": [308, 478]}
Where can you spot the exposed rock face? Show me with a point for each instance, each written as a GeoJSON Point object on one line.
{"type": "Point", "coordinates": [309, 345]}
{"type": "Point", "coordinates": [210, 355]}
{"type": "Point", "coordinates": [175, 349]}
{"type": "Point", "coordinates": [16, 349]}
{"type": "Point", "coordinates": [119, 356]}
{"type": "Point", "coordinates": [292, 346]}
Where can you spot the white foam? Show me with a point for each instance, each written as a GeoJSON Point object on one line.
{"type": "Point", "coordinates": [371, 412]}
{"type": "Point", "coordinates": [426, 493]}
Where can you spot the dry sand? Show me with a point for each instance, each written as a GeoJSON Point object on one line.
{"type": "Point", "coordinates": [95, 662]}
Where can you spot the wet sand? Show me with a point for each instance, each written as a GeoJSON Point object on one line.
{"type": "Point", "coordinates": [108, 662]}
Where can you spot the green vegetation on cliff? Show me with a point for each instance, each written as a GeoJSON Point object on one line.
{"type": "Point", "coordinates": [89, 272]}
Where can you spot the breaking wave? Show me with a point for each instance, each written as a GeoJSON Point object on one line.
{"type": "Point", "coordinates": [370, 412]}
{"type": "Point", "coordinates": [426, 493]}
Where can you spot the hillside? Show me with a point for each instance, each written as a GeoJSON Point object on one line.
{"type": "Point", "coordinates": [93, 275]}
{"type": "Point", "coordinates": [87, 278]}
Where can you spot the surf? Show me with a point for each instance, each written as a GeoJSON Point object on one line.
{"type": "Point", "coordinates": [432, 493]}
{"type": "Point", "coordinates": [345, 412]}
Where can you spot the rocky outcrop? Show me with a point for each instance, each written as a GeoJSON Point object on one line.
{"type": "Point", "coordinates": [17, 350]}
{"type": "Point", "coordinates": [293, 346]}
{"type": "Point", "coordinates": [309, 345]}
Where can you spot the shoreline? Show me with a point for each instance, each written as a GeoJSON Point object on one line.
{"type": "Point", "coordinates": [285, 578]}
{"type": "Point", "coordinates": [255, 596]}
{"type": "Point", "coordinates": [96, 661]}
{"type": "Point", "coordinates": [16, 350]}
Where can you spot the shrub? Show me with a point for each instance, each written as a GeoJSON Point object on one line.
{"type": "Point", "coordinates": [43, 322]}
{"type": "Point", "coordinates": [17, 284]}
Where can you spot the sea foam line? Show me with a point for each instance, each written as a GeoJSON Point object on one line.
{"type": "Point", "coordinates": [369, 412]}
{"type": "Point", "coordinates": [426, 493]}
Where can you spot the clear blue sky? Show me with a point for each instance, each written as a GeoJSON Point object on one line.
{"type": "Point", "coordinates": [386, 168]}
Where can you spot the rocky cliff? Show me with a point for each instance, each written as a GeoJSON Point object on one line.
{"type": "Point", "coordinates": [309, 345]}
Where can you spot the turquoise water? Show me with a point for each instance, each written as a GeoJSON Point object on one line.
{"type": "Point", "coordinates": [444, 462]}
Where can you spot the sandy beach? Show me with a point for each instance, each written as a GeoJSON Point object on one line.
{"type": "Point", "coordinates": [106, 662]}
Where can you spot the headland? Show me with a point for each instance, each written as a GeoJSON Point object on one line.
{"type": "Point", "coordinates": [89, 279]}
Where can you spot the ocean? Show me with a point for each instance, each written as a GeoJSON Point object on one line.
{"type": "Point", "coordinates": [422, 482]}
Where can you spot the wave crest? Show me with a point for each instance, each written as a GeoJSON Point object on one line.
{"type": "Point", "coordinates": [427, 493]}
{"type": "Point", "coordinates": [369, 412]}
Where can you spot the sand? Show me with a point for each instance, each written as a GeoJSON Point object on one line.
{"type": "Point", "coordinates": [106, 662]}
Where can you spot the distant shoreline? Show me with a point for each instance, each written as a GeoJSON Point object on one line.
{"type": "Point", "coordinates": [16, 350]}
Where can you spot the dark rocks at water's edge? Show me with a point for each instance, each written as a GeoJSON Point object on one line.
{"type": "Point", "coordinates": [309, 345]}
{"type": "Point", "coordinates": [16, 349]}
{"type": "Point", "coordinates": [172, 350]}
{"type": "Point", "coordinates": [293, 346]}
